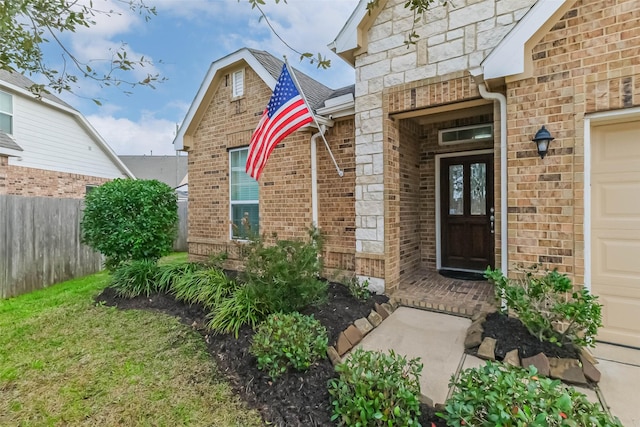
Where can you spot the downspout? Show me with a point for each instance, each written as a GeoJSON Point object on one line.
{"type": "Point", "coordinates": [314, 175]}
{"type": "Point", "coordinates": [504, 243]}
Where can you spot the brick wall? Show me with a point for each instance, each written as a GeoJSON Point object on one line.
{"type": "Point", "coordinates": [410, 197]}
{"type": "Point", "coordinates": [21, 181]}
{"type": "Point", "coordinates": [429, 149]}
{"type": "Point", "coordinates": [588, 62]}
{"type": "Point", "coordinates": [405, 145]}
{"type": "Point", "coordinates": [453, 39]}
{"type": "Point", "coordinates": [285, 184]}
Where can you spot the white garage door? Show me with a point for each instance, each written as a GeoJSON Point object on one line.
{"type": "Point", "coordinates": [615, 229]}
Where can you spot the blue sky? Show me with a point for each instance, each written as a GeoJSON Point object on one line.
{"type": "Point", "coordinates": [182, 40]}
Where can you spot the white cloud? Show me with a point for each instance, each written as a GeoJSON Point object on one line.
{"type": "Point", "coordinates": [146, 136]}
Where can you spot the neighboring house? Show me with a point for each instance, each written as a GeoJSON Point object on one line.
{"type": "Point", "coordinates": [441, 170]}
{"type": "Point", "coordinates": [171, 170]}
{"type": "Point", "coordinates": [47, 148]}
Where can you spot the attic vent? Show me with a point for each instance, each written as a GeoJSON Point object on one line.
{"type": "Point", "coordinates": [463, 134]}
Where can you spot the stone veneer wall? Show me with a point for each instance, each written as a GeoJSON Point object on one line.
{"type": "Point", "coordinates": [285, 185]}
{"type": "Point", "coordinates": [21, 181]}
{"type": "Point", "coordinates": [588, 62]}
{"type": "Point", "coordinates": [452, 39]}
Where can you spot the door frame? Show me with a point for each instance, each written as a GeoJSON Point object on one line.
{"type": "Point", "coordinates": [439, 157]}
{"type": "Point", "coordinates": [591, 120]}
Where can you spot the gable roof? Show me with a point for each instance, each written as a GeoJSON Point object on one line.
{"type": "Point", "coordinates": [168, 169]}
{"type": "Point", "coordinates": [516, 45]}
{"type": "Point", "coordinates": [18, 84]}
{"type": "Point", "coordinates": [24, 82]}
{"type": "Point", "coordinates": [8, 147]}
{"type": "Point", "coordinates": [315, 92]}
{"type": "Point", "coordinates": [267, 67]}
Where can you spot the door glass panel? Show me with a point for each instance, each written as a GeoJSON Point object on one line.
{"type": "Point", "coordinates": [478, 188]}
{"type": "Point", "coordinates": [456, 190]}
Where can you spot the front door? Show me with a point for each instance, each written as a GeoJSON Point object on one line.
{"type": "Point", "coordinates": [467, 216]}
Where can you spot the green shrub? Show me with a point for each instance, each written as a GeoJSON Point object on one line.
{"type": "Point", "coordinates": [286, 340]}
{"type": "Point", "coordinates": [501, 395]}
{"type": "Point", "coordinates": [548, 306]}
{"type": "Point", "coordinates": [129, 219]}
{"type": "Point", "coordinates": [376, 389]}
{"type": "Point", "coordinates": [242, 307]}
{"type": "Point", "coordinates": [135, 278]}
{"type": "Point", "coordinates": [206, 286]}
{"type": "Point", "coordinates": [168, 274]}
{"type": "Point", "coordinates": [285, 275]}
{"type": "Point", "coordinates": [359, 290]}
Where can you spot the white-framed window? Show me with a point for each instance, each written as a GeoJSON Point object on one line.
{"type": "Point", "coordinates": [6, 113]}
{"type": "Point", "coordinates": [237, 83]}
{"type": "Point", "coordinates": [244, 207]}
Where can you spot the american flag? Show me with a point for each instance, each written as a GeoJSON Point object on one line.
{"type": "Point", "coordinates": [285, 113]}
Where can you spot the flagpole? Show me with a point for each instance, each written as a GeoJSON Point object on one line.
{"type": "Point", "coordinates": [315, 120]}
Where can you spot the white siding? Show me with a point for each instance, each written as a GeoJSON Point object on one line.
{"type": "Point", "coordinates": [54, 140]}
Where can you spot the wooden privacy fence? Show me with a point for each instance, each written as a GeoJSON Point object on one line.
{"type": "Point", "coordinates": [40, 243]}
{"type": "Point", "coordinates": [180, 244]}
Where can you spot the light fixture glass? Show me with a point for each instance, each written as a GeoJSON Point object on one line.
{"type": "Point", "coordinates": [542, 139]}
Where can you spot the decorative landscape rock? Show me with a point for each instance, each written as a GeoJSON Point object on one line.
{"type": "Point", "coordinates": [374, 318]}
{"type": "Point", "coordinates": [512, 358]}
{"type": "Point", "coordinates": [343, 345]}
{"type": "Point", "coordinates": [473, 339]}
{"type": "Point", "coordinates": [586, 354]}
{"type": "Point", "coordinates": [540, 361]}
{"type": "Point", "coordinates": [363, 326]}
{"type": "Point", "coordinates": [590, 371]}
{"type": "Point", "coordinates": [487, 349]}
{"type": "Point", "coordinates": [333, 355]}
{"type": "Point", "coordinates": [388, 307]}
{"type": "Point", "coordinates": [353, 335]}
{"type": "Point", "coordinates": [582, 371]}
{"type": "Point", "coordinates": [557, 367]}
{"type": "Point", "coordinates": [383, 312]}
{"type": "Point", "coordinates": [480, 316]}
{"type": "Point", "coordinates": [574, 375]}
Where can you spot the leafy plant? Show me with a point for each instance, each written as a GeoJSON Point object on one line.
{"type": "Point", "coordinates": [206, 286]}
{"type": "Point", "coordinates": [359, 290]}
{"type": "Point", "coordinates": [286, 340]}
{"type": "Point", "coordinates": [168, 274]}
{"type": "Point", "coordinates": [502, 395]}
{"type": "Point", "coordinates": [285, 275]}
{"type": "Point", "coordinates": [217, 260]}
{"type": "Point", "coordinates": [136, 278]}
{"type": "Point", "coordinates": [130, 219]}
{"type": "Point", "coordinates": [549, 307]}
{"type": "Point", "coordinates": [376, 389]}
{"type": "Point", "coordinates": [242, 307]}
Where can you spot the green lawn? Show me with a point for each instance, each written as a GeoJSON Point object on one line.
{"type": "Point", "coordinates": [66, 361]}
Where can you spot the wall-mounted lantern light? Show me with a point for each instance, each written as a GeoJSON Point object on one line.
{"type": "Point", "coordinates": [542, 139]}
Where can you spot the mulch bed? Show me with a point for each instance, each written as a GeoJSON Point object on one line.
{"type": "Point", "coordinates": [295, 399]}
{"type": "Point", "coordinates": [511, 334]}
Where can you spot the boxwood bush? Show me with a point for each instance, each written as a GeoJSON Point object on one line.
{"type": "Point", "coordinates": [501, 395]}
{"type": "Point", "coordinates": [288, 340]}
{"type": "Point", "coordinates": [376, 389]}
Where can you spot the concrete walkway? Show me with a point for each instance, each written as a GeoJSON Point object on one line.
{"type": "Point", "coordinates": [438, 340]}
